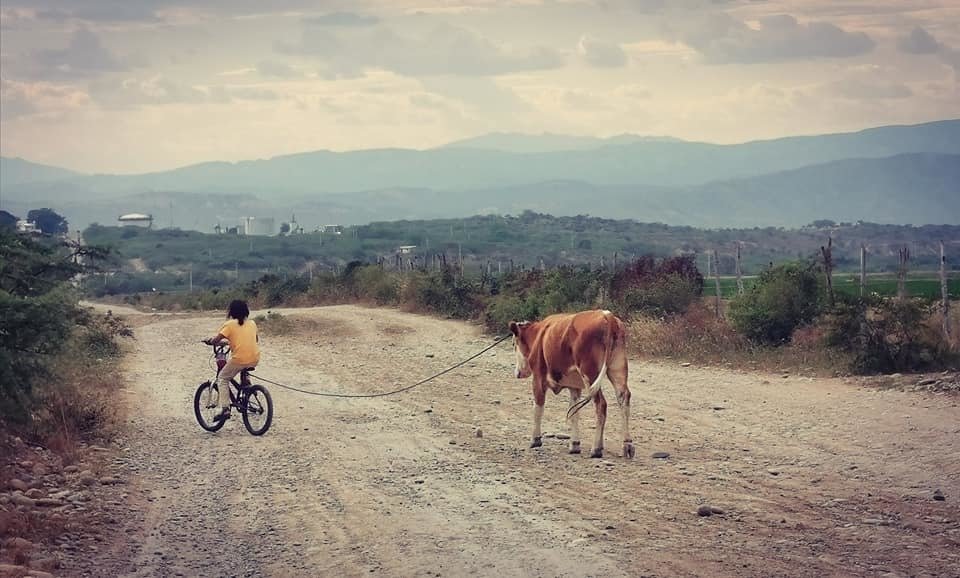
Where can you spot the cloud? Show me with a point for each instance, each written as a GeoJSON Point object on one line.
{"type": "Point", "coordinates": [866, 89]}
{"type": "Point", "coordinates": [722, 39]}
{"type": "Point", "coordinates": [275, 68]}
{"type": "Point", "coordinates": [442, 49]}
{"type": "Point", "coordinates": [160, 90]}
{"type": "Point", "coordinates": [601, 54]}
{"type": "Point", "coordinates": [26, 98]}
{"type": "Point", "coordinates": [342, 19]}
{"type": "Point", "coordinates": [84, 56]}
{"type": "Point", "coordinates": [919, 41]}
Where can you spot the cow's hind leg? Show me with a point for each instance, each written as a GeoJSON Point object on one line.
{"type": "Point", "coordinates": [600, 403]}
{"type": "Point", "coordinates": [539, 397]}
{"type": "Point", "coordinates": [617, 374]}
{"type": "Point", "coordinates": [574, 423]}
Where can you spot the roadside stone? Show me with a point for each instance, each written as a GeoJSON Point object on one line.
{"type": "Point", "coordinates": [562, 437]}
{"type": "Point", "coordinates": [938, 496]}
{"type": "Point", "coordinates": [478, 433]}
{"type": "Point", "coordinates": [21, 500]}
{"type": "Point", "coordinates": [660, 455]}
{"type": "Point", "coordinates": [19, 543]}
{"type": "Point", "coordinates": [71, 469]}
{"type": "Point", "coordinates": [19, 485]}
{"type": "Point", "coordinates": [685, 364]}
{"type": "Point", "coordinates": [704, 511]}
{"type": "Point", "coordinates": [927, 381]}
{"type": "Point", "coordinates": [773, 472]}
{"type": "Point", "coordinates": [110, 481]}
{"type": "Point", "coordinates": [716, 510]}
{"type": "Point", "coordinates": [34, 493]}
{"type": "Point", "coordinates": [48, 503]}
{"type": "Point", "coordinates": [87, 478]}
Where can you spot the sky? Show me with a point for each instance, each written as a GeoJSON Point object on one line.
{"type": "Point", "coordinates": [128, 86]}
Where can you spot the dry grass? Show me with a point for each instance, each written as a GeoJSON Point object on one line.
{"type": "Point", "coordinates": [274, 324]}
{"type": "Point", "coordinates": [699, 337]}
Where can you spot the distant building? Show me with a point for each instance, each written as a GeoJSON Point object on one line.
{"type": "Point", "coordinates": [331, 229]}
{"type": "Point", "coordinates": [404, 249]}
{"type": "Point", "coordinates": [28, 227]}
{"type": "Point", "coordinates": [136, 220]}
{"type": "Point", "coordinates": [256, 225]}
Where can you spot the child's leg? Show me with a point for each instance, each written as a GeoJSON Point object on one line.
{"type": "Point", "coordinates": [229, 371]}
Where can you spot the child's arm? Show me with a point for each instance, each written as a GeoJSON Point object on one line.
{"type": "Point", "coordinates": [219, 337]}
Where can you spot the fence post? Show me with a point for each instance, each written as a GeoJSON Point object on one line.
{"type": "Point", "coordinates": [716, 278]}
{"type": "Point", "coordinates": [902, 272]}
{"type": "Point", "coordinates": [615, 261]}
{"type": "Point", "coordinates": [739, 272]}
{"type": "Point", "coordinates": [863, 270]}
{"type": "Point", "coordinates": [945, 295]}
{"type": "Point", "coordinates": [828, 267]}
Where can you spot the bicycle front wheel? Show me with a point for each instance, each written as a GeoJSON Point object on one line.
{"type": "Point", "coordinates": [257, 410]}
{"type": "Point", "coordinates": [206, 406]}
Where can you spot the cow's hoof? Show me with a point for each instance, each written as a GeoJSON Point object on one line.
{"type": "Point", "coordinates": [597, 453]}
{"type": "Point", "coordinates": [574, 447]}
{"type": "Point", "coordinates": [537, 442]}
{"type": "Point", "coordinates": [628, 450]}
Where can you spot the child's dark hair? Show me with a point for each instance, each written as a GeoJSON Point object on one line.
{"type": "Point", "coordinates": [238, 310]}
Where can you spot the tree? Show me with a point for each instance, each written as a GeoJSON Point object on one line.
{"type": "Point", "coordinates": [48, 221]}
{"type": "Point", "coordinates": [7, 220]}
{"type": "Point", "coordinates": [783, 298]}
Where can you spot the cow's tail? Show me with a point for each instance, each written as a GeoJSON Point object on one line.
{"type": "Point", "coordinates": [594, 388]}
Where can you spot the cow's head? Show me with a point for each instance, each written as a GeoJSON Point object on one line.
{"type": "Point", "coordinates": [521, 346]}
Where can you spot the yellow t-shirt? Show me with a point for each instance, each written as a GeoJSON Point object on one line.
{"type": "Point", "coordinates": [243, 341]}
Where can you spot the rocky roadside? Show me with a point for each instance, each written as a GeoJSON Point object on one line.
{"type": "Point", "coordinates": [56, 515]}
{"type": "Point", "coordinates": [944, 382]}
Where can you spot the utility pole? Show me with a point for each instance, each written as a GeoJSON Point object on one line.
{"type": "Point", "coordinates": [191, 277]}
{"type": "Point", "coordinates": [945, 295]}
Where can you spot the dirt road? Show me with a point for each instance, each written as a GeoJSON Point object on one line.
{"type": "Point", "coordinates": [814, 477]}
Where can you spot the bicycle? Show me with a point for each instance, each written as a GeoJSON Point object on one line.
{"type": "Point", "coordinates": [253, 401]}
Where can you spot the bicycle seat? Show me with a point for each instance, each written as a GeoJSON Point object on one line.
{"type": "Point", "coordinates": [248, 369]}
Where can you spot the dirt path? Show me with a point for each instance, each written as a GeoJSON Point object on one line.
{"type": "Point", "coordinates": [815, 477]}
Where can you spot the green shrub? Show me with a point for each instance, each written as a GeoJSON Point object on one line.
{"type": "Point", "coordinates": [443, 293]}
{"type": "Point", "coordinates": [887, 335]}
{"type": "Point", "coordinates": [782, 298]}
{"type": "Point", "coordinates": [374, 283]}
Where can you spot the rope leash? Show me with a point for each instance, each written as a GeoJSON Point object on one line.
{"type": "Point", "coordinates": [401, 390]}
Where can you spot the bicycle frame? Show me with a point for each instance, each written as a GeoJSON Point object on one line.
{"type": "Point", "coordinates": [220, 353]}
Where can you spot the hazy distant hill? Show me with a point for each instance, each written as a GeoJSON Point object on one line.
{"type": "Point", "coordinates": [14, 171]}
{"type": "Point", "coordinates": [541, 143]}
{"type": "Point", "coordinates": [888, 174]}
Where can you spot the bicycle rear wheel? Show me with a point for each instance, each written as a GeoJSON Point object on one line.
{"type": "Point", "coordinates": [206, 406]}
{"type": "Point", "coordinates": [257, 409]}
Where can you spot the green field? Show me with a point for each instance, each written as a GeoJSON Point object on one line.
{"type": "Point", "coordinates": [925, 285]}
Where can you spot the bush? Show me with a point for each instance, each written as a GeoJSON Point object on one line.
{"type": "Point", "coordinates": [888, 335]}
{"type": "Point", "coordinates": [657, 288]}
{"type": "Point", "coordinates": [783, 298]}
{"type": "Point", "coordinates": [443, 293]}
{"type": "Point", "coordinates": [374, 283]}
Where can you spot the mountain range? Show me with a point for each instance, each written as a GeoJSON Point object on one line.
{"type": "Point", "coordinates": [891, 174]}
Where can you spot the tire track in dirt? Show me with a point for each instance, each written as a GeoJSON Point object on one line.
{"type": "Point", "coordinates": [816, 477]}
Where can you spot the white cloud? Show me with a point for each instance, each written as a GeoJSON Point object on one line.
{"type": "Point", "coordinates": [436, 49]}
{"type": "Point", "coordinates": [723, 39]}
{"type": "Point", "coordinates": [601, 54]}
{"type": "Point", "coordinates": [919, 41]}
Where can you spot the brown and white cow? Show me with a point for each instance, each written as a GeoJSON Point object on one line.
{"type": "Point", "coordinates": [575, 351]}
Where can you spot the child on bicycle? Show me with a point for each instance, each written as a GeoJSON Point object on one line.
{"type": "Point", "coordinates": [241, 333]}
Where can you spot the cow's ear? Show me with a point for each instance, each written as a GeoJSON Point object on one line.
{"type": "Point", "coordinates": [514, 328]}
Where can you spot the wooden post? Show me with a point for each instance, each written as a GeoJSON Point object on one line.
{"type": "Point", "coordinates": [828, 268]}
{"type": "Point", "coordinates": [602, 264]}
{"type": "Point", "coordinates": [460, 255]}
{"type": "Point", "coordinates": [716, 278]}
{"type": "Point", "coordinates": [944, 294]}
{"type": "Point", "coordinates": [902, 272]}
{"type": "Point", "coordinates": [615, 260]}
{"type": "Point", "coordinates": [708, 264]}
{"type": "Point", "coordinates": [863, 270]}
{"type": "Point", "coordinates": [739, 272]}
{"type": "Point", "coordinates": [543, 266]}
